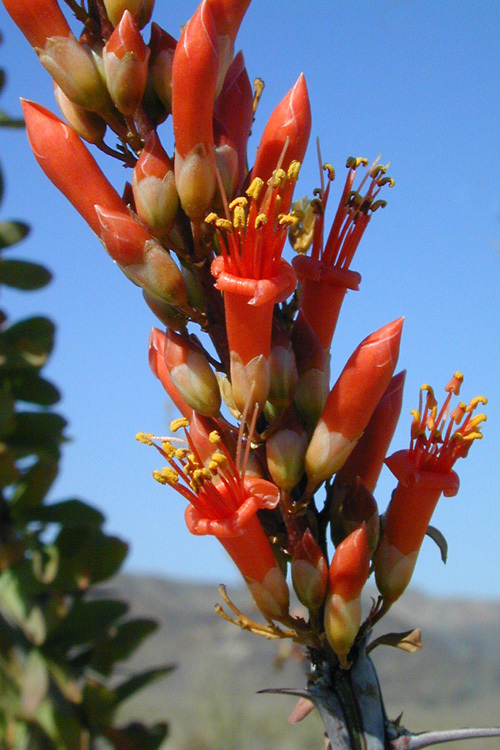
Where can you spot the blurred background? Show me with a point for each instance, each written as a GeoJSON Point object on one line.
{"type": "Point", "coordinates": [413, 80]}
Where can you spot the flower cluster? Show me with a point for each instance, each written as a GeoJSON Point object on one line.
{"type": "Point", "coordinates": [202, 235]}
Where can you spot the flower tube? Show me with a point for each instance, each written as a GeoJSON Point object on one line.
{"type": "Point", "coordinates": [424, 473]}
{"type": "Point", "coordinates": [69, 164]}
{"type": "Point", "coordinates": [348, 573]}
{"type": "Point", "coordinates": [352, 401]}
{"type": "Point", "coordinates": [253, 277]}
{"type": "Point", "coordinates": [194, 77]}
{"type": "Point", "coordinates": [224, 502]}
{"type": "Point", "coordinates": [325, 275]}
{"type": "Point", "coordinates": [38, 20]}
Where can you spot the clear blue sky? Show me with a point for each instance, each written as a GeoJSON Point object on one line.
{"type": "Point", "coordinates": [416, 81]}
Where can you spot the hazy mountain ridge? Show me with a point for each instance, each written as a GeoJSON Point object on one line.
{"type": "Point", "coordinates": [211, 701]}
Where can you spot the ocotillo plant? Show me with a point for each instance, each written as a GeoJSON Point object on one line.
{"type": "Point", "coordinates": [289, 463]}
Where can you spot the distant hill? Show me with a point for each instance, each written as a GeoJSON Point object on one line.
{"type": "Point", "coordinates": [211, 699]}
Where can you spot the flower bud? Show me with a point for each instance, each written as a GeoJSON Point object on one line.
{"type": "Point", "coordinates": [73, 68]}
{"type": "Point", "coordinates": [153, 184]}
{"type": "Point", "coordinates": [309, 572]}
{"type": "Point", "coordinates": [171, 317]}
{"type": "Point", "coordinates": [125, 60]}
{"type": "Point", "coordinates": [162, 47]}
{"type": "Point", "coordinates": [283, 368]}
{"type": "Point", "coordinates": [360, 506]}
{"type": "Point", "coordinates": [348, 573]}
{"type": "Point", "coordinates": [141, 10]}
{"type": "Point", "coordinates": [285, 452]}
{"type": "Point", "coordinates": [87, 125]}
{"type": "Point", "coordinates": [143, 260]}
{"type": "Point", "coordinates": [192, 375]}
{"type": "Point", "coordinates": [313, 374]}
{"type": "Point", "coordinates": [352, 401]}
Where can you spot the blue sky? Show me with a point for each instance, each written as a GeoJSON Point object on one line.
{"type": "Point", "coordinates": [414, 80]}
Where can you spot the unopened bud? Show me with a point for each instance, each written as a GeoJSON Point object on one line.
{"type": "Point", "coordinates": [226, 159]}
{"type": "Point", "coordinates": [141, 10]}
{"type": "Point", "coordinates": [88, 125]}
{"type": "Point", "coordinates": [348, 573]}
{"type": "Point", "coordinates": [192, 375]}
{"type": "Point", "coordinates": [195, 180]}
{"type": "Point", "coordinates": [170, 316]}
{"type": "Point", "coordinates": [309, 572]}
{"type": "Point", "coordinates": [162, 47]}
{"type": "Point", "coordinates": [125, 60]}
{"type": "Point", "coordinates": [285, 452]}
{"type": "Point", "coordinates": [73, 68]}
{"type": "Point", "coordinates": [360, 506]}
{"type": "Point", "coordinates": [153, 185]}
{"type": "Point", "coordinates": [282, 367]}
{"type": "Point", "coordinates": [250, 381]}
{"type": "Point", "coordinates": [313, 385]}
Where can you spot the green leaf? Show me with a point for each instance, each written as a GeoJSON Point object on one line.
{"type": "Point", "coordinates": [65, 681]}
{"type": "Point", "coordinates": [130, 686]}
{"type": "Point", "coordinates": [98, 705]}
{"type": "Point", "coordinates": [16, 607]}
{"type": "Point", "coordinates": [26, 385]}
{"type": "Point", "coordinates": [12, 232]}
{"type": "Point", "coordinates": [66, 513]}
{"type": "Point", "coordinates": [28, 342]}
{"type": "Point", "coordinates": [35, 484]}
{"type": "Point", "coordinates": [136, 736]}
{"type": "Point", "coordinates": [22, 274]}
{"type": "Point", "coordinates": [85, 622]}
{"type": "Point", "coordinates": [37, 433]}
{"type": "Point", "coordinates": [89, 555]}
{"type": "Point", "coordinates": [7, 121]}
{"type": "Point", "coordinates": [34, 682]}
{"type": "Point", "coordinates": [120, 643]}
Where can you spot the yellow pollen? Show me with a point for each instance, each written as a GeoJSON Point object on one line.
{"type": "Point", "coordinates": [260, 220]}
{"type": "Point", "coordinates": [475, 401]}
{"type": "Point", "coordinates": [415, 414]}
{"type": "Point", "coordinates": [476, 420]}
{"type": "Point", "coordinates": [166, 476]}
{"type": "Point", "coordinates": [180, 452]}
{"type": "Point", "coordinates": [211, 218]}
{"type": "Point", "coordinates": [176, 424]}
{"type": "Point", "coordinates": [198, 474]}
{"type": "Point", "coordinates": [472, 436]}
{"type": "Point", "coordinates": [214, 437]}
{"type": "Point", "coordinates": [144, 437]}
{"type": "Point", "coordinates": [329, 168]}
{"type": "Point", "coordinates": [293, 170]}
{"type": "Point", "coordinates": [387, 181]}
{"type": "Point", "coordinates": [223, 224]}
{"type": "Point", "coordinates": [255, 188]}
{"type": "Point", "coordinates": [239, 201]}
{"type": "Point", "coordinates": [168, 448]}
{"type": "Point", "coordinates": [353, 162]}
{"type": "Point", "coordinates": [239, 217]}
{"type": "Point", "coordinates": [379, 169]}
{"type": "Point", "coordinates": [288, 220]}
{"type": "Point", "coordinates": [219, 458]}
{"type": "Point", "coordinates": [277, 179]}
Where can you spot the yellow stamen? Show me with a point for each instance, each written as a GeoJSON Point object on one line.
{"type": "Point", "coordinates": [144, 437]}
{"type": "Point", "coordinates": [475, 401]}
{"type": "Point", "coordinates": [168, 448]}
{"type": "Point", "coordinates": [223, 224]}
{"type": "Point", "coordinates": [353, 162]}
{"type": "Point", "coordinates": [166, 476]}
{"type": "Point", "coordinates": [260, 220]}
{"type": "Point", "coordinates": [239, 217]}
{"type": "Point", "coordinates": [255, 188]}
{"type": "Point", "coordinates": [211, 218]}
{"type": "Point", "coordinates": [277, 179]}
{"type": "Point", "coordinates": [176, 424]}
{"type": "Point", "coordinates": [288, 220]}
{"type": "Point", "coordinates": [239, 201]}
{"type": "Point", "coordinates": [293, 170]}
{"type": "Point", "coordinates": [329, 168]}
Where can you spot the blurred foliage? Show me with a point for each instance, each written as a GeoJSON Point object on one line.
{"type": "Point", "coordinates": [59, 642]}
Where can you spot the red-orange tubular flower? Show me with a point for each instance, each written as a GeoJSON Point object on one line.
{"type": "Point", "coordinates": [325, 275]}
{"type": "Point", "coordinates": [253, 277]}
{"type": "Point", "coordinates": [227, 16]}
{"type": "Point", "coordinates": [348, 573]}
{"type": "Point", "coordinates": [290, 123]}
{"type": "Point", "coordinates": [224, 502]}
{"type": "Point", "coordinates": [69, 164]}
{"type": "Point", "coordinates": [424, 472]}
{"type": "Point", "coordinates": [352, 401]}
{"type": "Point", "coordinates": [367, 458]}
{"type": "Point", "coordinates": [194, 78]}
{"type": "Point", "coordinates": [38, 20]}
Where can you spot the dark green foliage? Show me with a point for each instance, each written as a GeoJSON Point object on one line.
{"type": "Point", "coordinates": [59, 642]}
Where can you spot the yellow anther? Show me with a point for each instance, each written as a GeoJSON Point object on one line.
{"type": "Point", "coordinates": [386, 181]}
{"type": "Point", "coordinates": [239, 217]}
{"type": "Point", "coordinates": [168, 448]}
{"type": "Point", "coordinates": [214, 437]}
{"type": "Point", "coordinates": [166, 476]}
{"type": "Point", "coordinates": [472, 436]}
{"type": "Point", "coordinates": [475, 421]}
{"type": "Point", "coordinates": [428, 388]}
{"type": "Point", "coordinates": [260, 220]}
{"type": "Point", "coordinates": [198, 475]}
{"type": "Point", "coordinates": [318, 206]}
{"type": "Point", "coordinates": [176, 424]}
{"type": "Point", "coordinates": [213, 467]}
{"type": "Point", "coordinates": [239, 201]}
{"type": "Point", "coordinates": [277, 179]}
{"type": "Point", "coordinates": [255, 188]}
{"type": "Point", "coordinates": [379, 169]}
{"type": "Point", "coordinates": [353, 162]}
{"type": "Point", "coordinates": [293, 170]}
{"type": "Point", "coordinates": [224, 224]}
{"type": "Point", "coordinates": [144, 437]}
{"type": "Point", "coordinates": [219, 458]}
{"type": "Point", "coordinates": [211, 218]}
{"type": "Point", "coordinates": [378, 204]}
{"type": "Point", "coordinates": [287, 220]}
{"type": "Point", "coordinates": [354, 199]}
{"type": "Point", "coordinates": [416, 415]}
{"type": "Point", "coordinates": [329, 168]}
{"type": "Point", "coordinates": [455, 383]}
{"type": "Point", "coordinates": [475, 401]}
